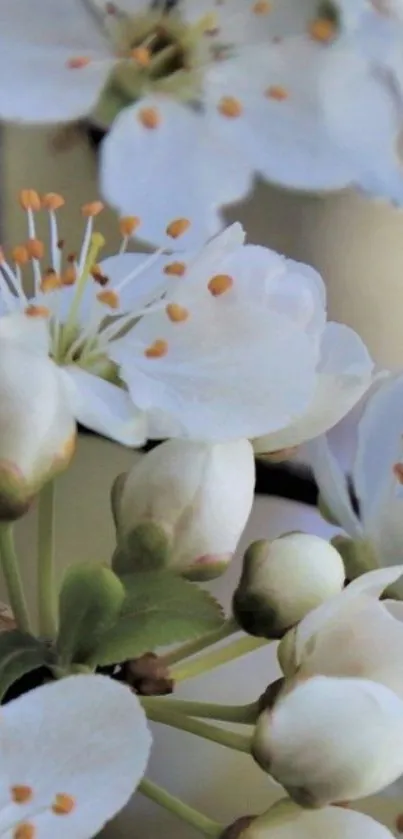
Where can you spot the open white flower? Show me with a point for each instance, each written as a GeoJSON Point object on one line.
{"type": "Point", "coordinates": [377, 476]}
{"type": "Point", "coordinates": [72, 754]}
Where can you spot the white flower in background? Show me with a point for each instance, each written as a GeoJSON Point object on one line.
{"type": "Point", "coordinates": [377, 476]}
{"type": "Point", "coordinates": [285, 820]}
{"type": "Point", "coordinates": [197, 496]}
{"type": "Point", "coordinates": [37, 428]}
{"type": "Point", "coordinates": [330, 740]}
{"type": "Point", "coordinates": [218, 345]}
{"type": "Point", "coordinates": [72, 754]}
{"type": "Point", "coordinates": [283, 580]}
{"type": "Point", "coordinates": [353, 634]}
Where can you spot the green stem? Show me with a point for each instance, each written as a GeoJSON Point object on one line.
{"type": "Point", "coordinates": [230, 739]}
{"type": "Point", "coordinates": [217, 658]}
{"type": "Point", "coordinates": [192, 647]}
{"type": "Point", "coordinates": [160, 796]}
{"type": "Point", "coordinates": [46, 584]}
{"type": "Point", "coordinates": [244, 714]}
{"type": "Point", "coordinates": [12, 576]}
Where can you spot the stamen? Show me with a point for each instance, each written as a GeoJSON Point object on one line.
{"type": "Point", "coordinates": [13, 279]}
{"type": "Point", "coordinates": [142, 56]}
{"type": "Point", "coordinates": [52, 201]}
{"type": "Point", "coordinates": [128, 224]}
{"type": "Point", "coordinates": [262, 7]}
{"type": "Point", "coordinates": [21, 794]}
{"type": "Point", "coordinates": [63, 804]}
{"type": "Point", "coordinates": [25, 830]}
{"type": "Point", "coordinates": [175, 269]}
{"type": "Point", "coordinates": [20, 255]}
{"type": "Point", "coordinates": [98, 276]}
{"type": "Point", "coordinates": [323, 30]}
{"type": "Point", "coordinates": [109, 298]}
{"type": "Point", "coordinates": [35, 248]}
{"type": "Point", "coordinates": [149, 117]}
{"type": "Point", "coordinates": [89, 211]}
{"type": "Point", "coordinates": [29, 200]}
{"type": "Point", "coordinates": [277, 92]}
{"type": "Point", "coordinates": [69, 276]}
{"type": "Point", "coordinates": [144, 266]}
{"type": "Point", "coordinates": [78, 62]}
{"type": "Point", "coordinates": [177, 227]}
{"type": "Point", "coordinates": [94, 208]}
{"type": "Point", "coordinates": [97, 241]}
{"type": "Point", "coordinates": [176, 313]}
{"type": "Point", "coordinates": [51, 281]}
{"type": "Point", "coordinates": [157, 350]}
{"type": "Point", "coordinates": [220, 284]}
{"type": "Point", "coordinates": [37, 311]}
{"type": "Point", "coordinates": [230, 107]}
{"type": "Point", "coordinates": [33, 203]}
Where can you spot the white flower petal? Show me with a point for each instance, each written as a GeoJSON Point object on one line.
{"type": "Point", "coordinates": [103, 407]}
{"type": "Point", "coordinates": [84, 737]}
{"type": "Point", "coordinates": [29, 333]}
{"type": "Point", "coordinates": [332, 485]}
{"type": "Point", "coordinates": [181, 169]}
{"type": "Point", "coordinates": [285, 818]}
{"type": "Point", "coordinates": [144, 288]}
{"type": "Point", "coordinates": [344, 374]}
{"type": "Point", "coordinates": [240, 23]}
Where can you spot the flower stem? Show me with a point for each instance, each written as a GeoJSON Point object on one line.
{"type": "Point", "coordinates": [46, 584]}
{"type": "Point", "coordinates": [192, 647]}
{"type": "Point", "coordinates": [230, 739]}
{"type": "Point", "coordinates": [12, 576]}
{"type": "Point", "coordinates": [200, 822]}
{"type": "Point", "coordinates": [245, 714]}
{"type": "Point", "coordinates": [217, 658]}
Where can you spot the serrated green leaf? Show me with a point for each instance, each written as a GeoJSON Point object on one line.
{"type": "Point", "coordinates": [146, 548]}
{"type": "Point", "coordinates": [91, 598]}
{"type": "Point", "coordinates": [160, 609]}
{"type": "Point", "coordinates": [20, 653]}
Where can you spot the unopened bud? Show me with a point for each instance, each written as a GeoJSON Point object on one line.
{"type": "Point", "coordinates": [358, 555]}
{"type": "Point", "coordinates": [283, 580]}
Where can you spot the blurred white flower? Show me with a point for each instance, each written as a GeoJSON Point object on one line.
{"type": "Point", "coordinates": [285, 820]}
{"type": "Point", "coordinates": [330, 740]}
{"type": "Point", "coordinates": [377, 477]}
{"type": "Point", "coordinates": [72, 754]}
{"type": "Point", "coordinates": [198, 496]}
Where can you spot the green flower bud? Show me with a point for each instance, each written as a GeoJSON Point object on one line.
{"type": "Point", "coordinates": [358, 555]}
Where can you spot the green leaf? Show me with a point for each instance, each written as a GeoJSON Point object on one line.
{"type": "Point", "coordinates": [91, 598]}
{"type": "Point", "coordinates": [20, 653]}
{"type": "Point", "coordinates": [160, 609]}
{"type": "Point", "coordinates": [146, 548]}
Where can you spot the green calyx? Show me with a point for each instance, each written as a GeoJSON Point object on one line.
{"type": "Point", "coordinates": [159, 54]}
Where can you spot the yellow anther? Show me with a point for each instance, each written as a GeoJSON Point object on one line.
{"type": "Point", "coordinates": [277, 92]}
{"type": "Point", "coordinates": [177, 313]}
{"type": "Point", "coordinates": [157, 350]}
{"type": "Point", "coordinates": [63, 804]}
{"type": "Point", "coordinates": [175, 269]}
{"type": "Point", "coordinates": [29, 199]}
{"type": "Point", "coordinates": [25, 830]}
{"type": "Point", "coordinates": [78, 62]}
{"type": "Point", "coordinates": [35, 248]}
{"type": "Point", "coordinates": [220, 284]}
{"type": "Point", "coordinates": [110, 298]}
{"type": "Point", "coordinates": [262, 7]}
{"type": "Point", "coordinates": [50, 281]}
{"type": "Point", "coordinates": [98, 276]}
{"type": "Point", "coordinates": [149, 117]}
{"type": "Point", "coordinates": [37, 311]}
{"type": "Point", "coordinates": [323, 30]}
{"type": "Point", "coordinates": [20, 255]}
{"type": "Point", "coordinates": [142, 56]}
{"type": "Point", "coordinates": [52, 201]}
{"type": "Point", "coordinates": [21, 794]}
{"type": "Point", "coordinates": [230, 107]}
{"type": "Point", "coordinates": [69, 276]}
{"type": "Point", "coordinates": [128, 224]}
{"type": "Point", "coordinates": [177, 227]}
{"type": "Point", "coordinates": [94, 208]}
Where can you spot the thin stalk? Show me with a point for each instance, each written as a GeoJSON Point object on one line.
{"type": "Point", "coordinates": [199, 821]}
{"type": "Point", "coordinates": [46, 583]}
{"type": "Point", "coordinates": [230, 739]}
{"type": "Point", "coordinates": [192, 647]}
{"type": "Point", "coordinates": [12, 576]}
{"type": "Point", "coordinates": [217, 658]}
{"type": "Point", "coordinates": [243, 714]}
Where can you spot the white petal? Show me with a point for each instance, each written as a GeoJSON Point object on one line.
{"type": "Point", "coordinates": [85, 737]}
{"type": "Point", "coordinates": [286, 140]}
{"type": "Point", "coordinates": [284, 819]}
{"type": "Point", "coordinates": [144, 288]}
{"type": "Point", "coordinates": [344, 374]}
{"type": "Point", "coordinates": [239, 23]}
{"type": "Point", "coordinates": [29, 333]}
{"type": "Point", "coordinates": [104, 407]}
{"type": "Point", "coordinates": [181, 169]}
{"type": "Point", "coordinates": [333, 486]}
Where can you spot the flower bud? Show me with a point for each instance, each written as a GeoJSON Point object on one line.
{"type": "Point", "coordinates": [358, 555]}
{"type": "Point", "coordinates": [191, 501]}
{"type": "Point", "coordinates": [37, 430]}
{"type": "Point", "coordinates": [330, 740]}
{"type": "Point", "coordinates": [283, 580]}
{"type": "Point", "coordinates": [285, 820]}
